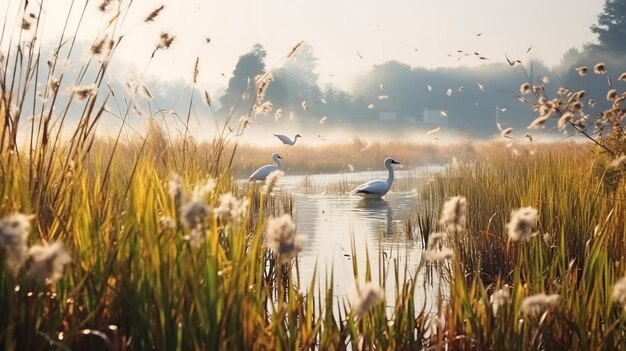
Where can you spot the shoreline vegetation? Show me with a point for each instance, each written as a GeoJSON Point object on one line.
{"type": "Point", "coordinates": [148, 242]}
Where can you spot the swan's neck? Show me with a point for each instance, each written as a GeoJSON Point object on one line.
{"type": "Point", "coordinates": [279, 164]}
{"type": "Point", "coordinates": [390, 177]}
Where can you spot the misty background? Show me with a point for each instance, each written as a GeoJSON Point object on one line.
{"type": "Point", "coordinates": [392, 99]}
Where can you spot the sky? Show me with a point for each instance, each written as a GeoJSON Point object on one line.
{"type": "Point", "coordinates": [348, 37]}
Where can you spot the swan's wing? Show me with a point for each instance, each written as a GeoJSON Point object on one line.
{"type": "Point", "coordinates": [263, 172]}
{"type": "Point", "coordinates": [373, 187]}
{"type": "Point", "coordinates": [283, 138]}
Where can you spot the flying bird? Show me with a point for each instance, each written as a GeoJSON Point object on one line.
{"type": "Point", "coordinates": [264, 171]}
{"type": "Point", "coordinates": [305, 106]}
{"type": "Point", "coordinates": [375, 189]}
{"type": "Point", "coordinates": [286, 140]}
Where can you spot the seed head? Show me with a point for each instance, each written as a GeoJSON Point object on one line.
{"type": "Point", "coordinates": [84, 92]}
{"type": "Point", "coordinates": [522, 222]}
{"type": "Point", "coordinates": [154, 14]}
{"type": "Point", "coordinates": [264, 108]}
{"type": "Point", "coordinates": [611, 94]}
{"type": "Point", "coordinates": [271, 182]}
{"type": "Point", "coordinates": [453, 213]}
{"type": "Point", "coordinates": [537, 303]}
{"type": "Point", "coordinates": [13, 236]}
{"type": "Point", "coordinates": [48, 261]}
{"type": "Point", "coordinates": [282, 238]}
{"type": "Point", "coordinates": [565, 119]}
{"type": "Point", "coordinates": [599, 68]}
{"type": "Point", "coordinates": [500, 298]}
{"type": "Point", "coordinates": [231, 209]}
{"type": "Point", "coordinates": [619, 292]}
{"type": "Point", "coordinates": [364, 297]}
{"type": "Point", "coordinates": [618, 161]}
{"type": "Point", "coordinates": [582, 71]}
{"type": "Point", "coordinates": [442, 254]}
{"type": "Point", "coordinates": [524, 88]}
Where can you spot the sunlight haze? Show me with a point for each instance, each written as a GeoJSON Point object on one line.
{"type": "Point", "coordinates": [418, 33]}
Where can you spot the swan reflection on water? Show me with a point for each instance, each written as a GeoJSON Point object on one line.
{"type": "Point", "coordinates": [378, 211]}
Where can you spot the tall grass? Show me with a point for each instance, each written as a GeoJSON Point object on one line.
{"type": "Point", "coordinates": [169, 252]}
{"type": "Point", "coordinates": [577, 252]}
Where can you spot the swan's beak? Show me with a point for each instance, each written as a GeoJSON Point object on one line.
{"type": "Point", "coordinates": [394, 162]}
{"type": "Point", "coordinates": [279, 156]}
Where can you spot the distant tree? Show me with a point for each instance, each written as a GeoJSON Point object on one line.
{"type": "Point", "coordinates": [611, 27]}
{"type": "Point", "coordinates": [242, 82]}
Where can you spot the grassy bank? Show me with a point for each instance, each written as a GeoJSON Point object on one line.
{"type": "Point", "coordinates": [147, 241]}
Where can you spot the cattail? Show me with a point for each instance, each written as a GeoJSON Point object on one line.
{"type": "Point", "coordinates": [582, 71]}
{"type": "Point", "coordinates": [434, 239]}
{"type": "Point", "coordinates": [167, 222]}
{"type": "Point", "coordinates": [262, 82]}
{"type": "Point", "coordinates": [539, 122]}
{"type": "Point", "coordinates": [194, 213]}
{"type": "Point", "coordinates": [529, 137]}
{"type": "Point", "coordinates": [565, 119]}
{"type": "Point", "coordinates": [176, 188]}
{"type": "Point", "coordinates": [561, 91]}
{"type": "Point", "coordinates": [271, 182]}
{"type": "Point", "coordinates": [599, 68]}
{"type": "Point", "coordinates": [442, 254]}
{"type": "Point", "coordinates": [545, 79]}
{"type": "Point", "coordinates": [524, 88]}
{"type": "Point", "coordinates": [263, 109]}
{"type": "Point", "coordinates": [453, 213]}
{"type": "Point", "coordinates": [522, 222]}
{"type": "Point", "coordinates": [282, 238]}
{"type": "Point", "coordinates": [165, 41]}
{"type": "Point", "coordinates": [231, 209]}
{"type": "Point", "coordinates": [500, 298]}
{"type": "Point", "coordinates": [575, 105]}
{"type": "Point", "coordinates": [48, 261]}
{"type": "Point", "coordinates": [13, 236]}
{"type": "Point", "coordinates": [364, 297]}
{"type": "Point", "coordinates": [196, 70]}
{"type": "Point", "coordinates": [323, 119]}
{"type": "Point", "coordinates": [53, 86]}
{"type": "Point", "coordinates": [305, 106]}
{"type": "Point", "coordinates": [154, 14]}
{"type": "Point", "coordinates": [102, 47]}
{"type": "Point", "coordinates": [619, 292]}
{"type": "Point", "coordinates": [536, 304]}
{"type": "Point", "coordinates": [383, 97]}
{"type": "Point", "coordinates": [618, 161]}
{"type": "Point", "coordinates": [103, 5]}
{"type": "Point", "coordinates": [207, 98]}
{"type": "Point", "coordinates": [84, 92]}
{"type": "Point", "coordinates": [611, 94]}
{"type": "Point", "coordinates": [622, 76]}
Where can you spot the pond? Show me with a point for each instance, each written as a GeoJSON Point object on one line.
{"type": "Point", "coordinates": [330, 218]}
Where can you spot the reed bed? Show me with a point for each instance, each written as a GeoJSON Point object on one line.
{"type": "Point", "coordinates": [147, 242]}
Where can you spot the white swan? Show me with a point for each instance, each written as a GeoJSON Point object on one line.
{"type": "Point", "coordinates": [264, 171]}
{"type": "Point", "coordinates": [377, 188]}
{"type": "Point", "coordinates": [285, 139]}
